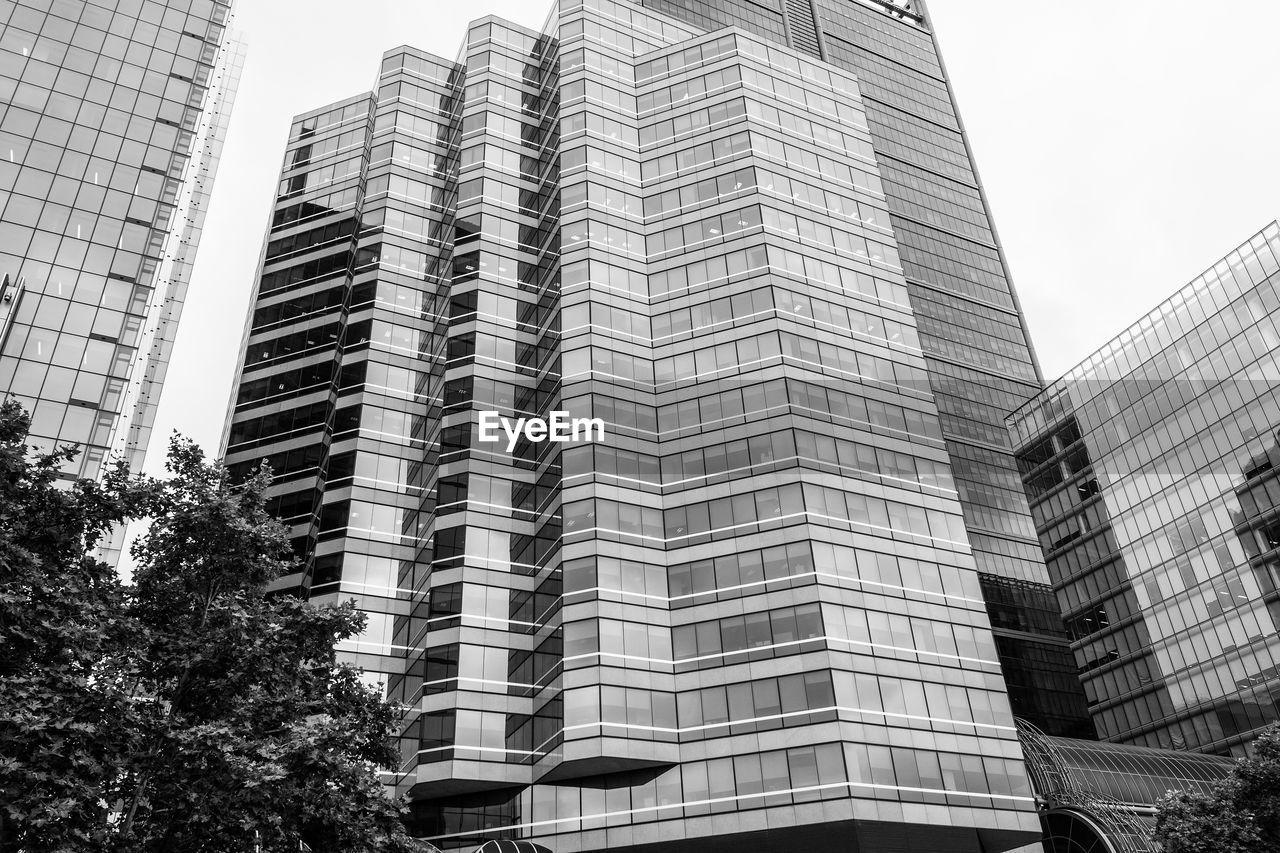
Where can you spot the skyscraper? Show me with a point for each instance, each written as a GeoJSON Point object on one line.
{"type": "Point", "coordinates": [978, 353]}
{"type": "Point", "coordinates": [111, 121]}
{"type": "Point", "coordinates": [756, 609]}
{"type": "Point", "coordinates": [1152, 471]}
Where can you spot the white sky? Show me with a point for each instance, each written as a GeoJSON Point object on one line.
{"type": "Point", "coordinates": [1124, 148]}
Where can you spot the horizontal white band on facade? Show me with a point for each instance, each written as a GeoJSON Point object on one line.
{"type": "Point", "coordinates": [1012, 799]}
{"type": "Point", "coordinates": [824, 638]}
{"type": "Point", "coordinates": [788, 715]}
{"type": "Point", "coordinates": [767, 582]}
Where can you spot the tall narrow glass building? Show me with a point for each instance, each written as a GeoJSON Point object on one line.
{"type": "Point", "coordinates": [1153, 468]}
{"type": "Point", "coordinates": [759, 608]}
{"type": "Point", "coordinates": [112, 116]}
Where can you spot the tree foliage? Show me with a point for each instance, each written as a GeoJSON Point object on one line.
{"type": "Point", "coordinates": [65, 724]}
{"type": "Point", "coordinates": [189, 710]}
{"type": "Point", "coordinates": [1240, 815]}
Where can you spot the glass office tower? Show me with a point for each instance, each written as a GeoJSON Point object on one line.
{"type": "Point", "coordinates": [756, 610]}
{"type": "Point", "coordinates": [978, 353]}
{"type": "Point", "coordinates": [112, 116]}
{"type": "Point", "coordinates": [1152, 468]}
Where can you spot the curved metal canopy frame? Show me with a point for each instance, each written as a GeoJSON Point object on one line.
{"type": "Point", "coordinates": [507, 845]}
{"type": "Point", "coordinates": [1068, 830]}
{"type": "Point", "coordinates": [1107, 790]}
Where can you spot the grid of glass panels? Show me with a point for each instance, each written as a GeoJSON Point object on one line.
{"type": "Point", "coordinates": [491, 699]}
{"type": "Point", "coordinates": [970, 328]}
{"type": "Point", "coordinates": [339, 390]}
{"type": "Point", "coordinates": [113, 116]}
{"type": "Point", "coordinates": [1152, 473]}
{"type": "Point", "coordinates": [755, 598]}
{"type": "Point", "coordinates": [730, 304]}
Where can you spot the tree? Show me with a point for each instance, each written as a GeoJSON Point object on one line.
{"type": "Point", "coordinates": [1240, 815]}
{"type": "Point", "coordinates": [188, 711]}
{"type": "Point", "coordinates": [65, 726]}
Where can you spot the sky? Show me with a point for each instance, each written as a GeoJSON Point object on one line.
{"type": "Point", "coordinates": [1124, 148]}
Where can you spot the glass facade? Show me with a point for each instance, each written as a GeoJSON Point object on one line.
{"type": "Point", "coordinates": [1152, 473]}
{"type": "Point", "coordinates": [977, 352]}
{"type": "Point", "coordinates": [766, 599]}
{"type": "Point", "coordinates": [112, 116]}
